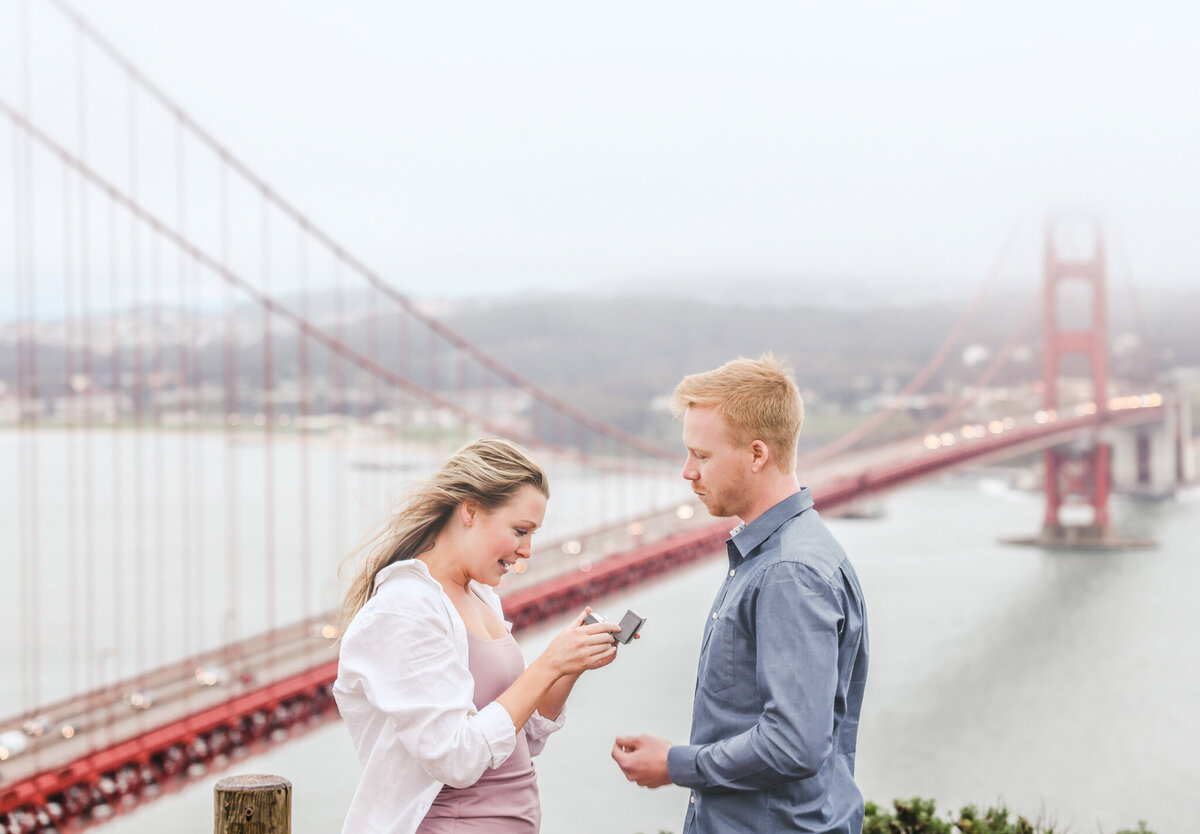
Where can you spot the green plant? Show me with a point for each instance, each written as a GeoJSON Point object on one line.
{"type": "Point", "coordinates": [911, 816]}
{"type": "Point", "coordinates": [919, 816]}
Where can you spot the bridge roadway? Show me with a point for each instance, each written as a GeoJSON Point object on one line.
{"type": "Point", "coordinates": [63, 732]}
{"type": "Point", "coordinates": [187, 700]}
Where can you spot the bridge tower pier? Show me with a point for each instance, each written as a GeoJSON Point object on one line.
{"type": "Point", "coordinates": [1153, 461]}
{"type": "Point", "coordinates": [1080, 473]}
{"type": "Point", "coordinates": [1185, 457]}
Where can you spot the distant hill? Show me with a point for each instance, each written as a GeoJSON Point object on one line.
{"type": "Point", "coordinates": [618, 355]}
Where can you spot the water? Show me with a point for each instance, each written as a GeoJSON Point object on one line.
{"type": "Point", "coordinates": [122, 551]}
{"type": "Point", "coordinates": [1062, 685]}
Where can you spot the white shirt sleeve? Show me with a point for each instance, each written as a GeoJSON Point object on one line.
{"type": "Point", "coordinates": [406, 666]}
{"type": "Point", "coordinates": [538, 728]}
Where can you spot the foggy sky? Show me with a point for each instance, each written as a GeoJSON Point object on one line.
{"type": "Point", "coordinates": [465, 147]}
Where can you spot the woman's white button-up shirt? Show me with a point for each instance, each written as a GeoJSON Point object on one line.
{"type": "Point", "coordinates": [406, 694]}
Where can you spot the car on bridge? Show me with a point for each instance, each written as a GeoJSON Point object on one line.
{"type": "Point", "coordinates": [140, 699]}
{"type": "Point", "coordinates": [12, 743]}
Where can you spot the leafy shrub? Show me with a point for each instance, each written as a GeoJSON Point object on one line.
{"type": "Point", "coordinates": [919, 816]}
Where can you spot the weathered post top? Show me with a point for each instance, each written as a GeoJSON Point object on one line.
{"type": "Point", "coordinates": [253, 804]}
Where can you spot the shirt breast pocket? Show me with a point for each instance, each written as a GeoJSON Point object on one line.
{"type": "Point", "coordinates": [720, 672]}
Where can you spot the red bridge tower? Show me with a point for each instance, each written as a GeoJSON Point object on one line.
{"type": "Point", "coordinates": [1078, 473]}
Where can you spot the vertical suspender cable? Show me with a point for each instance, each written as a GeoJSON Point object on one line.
{"type": "Point", "coordinates": [71, 428]}
{"type": "Point", "coordinates": [91, 632]}
{"type": "Point", "coordinates": [372, 313]}
{"type": "Point", "coordinates": [199, 545]}
{"type": "Point", "coordinates": [268, 416]}
{"type": "Point", "coordinates": [23, 497]}
{"type": "Point", "coordinates": [300, 430]}
{"type": "Point", "coordinates": [187, 404]}
{"type": "Point", "coordinates": [33, 395]}
{"type": "Point", "coordinates": [336, 436]}
{"type": "Point", "coordinates": [116, 463]}
{"type": "Point", "coordinates": [433, 360]}
{"type": "Point", "coordinates": [137, 319]}
{"type": "Point", "coordinates": [403, 332]}
{"type": "Point", "coordinates": [229, 423]}
{"type": "Point", "coordinates": [159, 550]}
{"type": "Point", "coordinates": [1146, 343]}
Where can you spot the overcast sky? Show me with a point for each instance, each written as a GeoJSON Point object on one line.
{"type": "Point", "coordinates": [502, 146]}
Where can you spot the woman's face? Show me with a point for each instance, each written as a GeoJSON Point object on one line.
{"type": "Point", "coordinates": [497, 538]}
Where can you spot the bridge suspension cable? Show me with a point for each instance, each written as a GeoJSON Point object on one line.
{"type": "Point", "coordinates": [1146, 344]}
{"type": "Point", "coordinates": [373, 279]}
{"type": "Point", "coordinates": [935, 362]}
{"type": "Point", "coordinates": [269, 305]}
{"type": "Point", "coordinates": [985, 377]}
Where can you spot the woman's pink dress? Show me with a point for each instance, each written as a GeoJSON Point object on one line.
{"type": "Point", "coordinates": [504, 800]}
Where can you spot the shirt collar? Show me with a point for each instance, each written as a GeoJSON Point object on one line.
{"type": "Point", "coordinates": [746, 537]}
{"type": "Point", "coordinates": [419, 569]}
{"type": "Point", "coordinates": [403, 566]}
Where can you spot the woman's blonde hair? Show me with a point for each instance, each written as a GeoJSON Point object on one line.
{"type": "Point", "coordinates": [488, 471]}
{"type": "Point", "coordinates": [757, 399]}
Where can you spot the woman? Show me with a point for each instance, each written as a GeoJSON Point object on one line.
{"type": "Point", "coordinates": [433, 688]}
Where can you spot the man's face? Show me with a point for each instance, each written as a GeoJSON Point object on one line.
{"type": "Point", "coordinates": [718, 468]}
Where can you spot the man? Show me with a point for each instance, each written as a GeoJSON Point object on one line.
{"type": "Point", "coordinates": [783, 662]}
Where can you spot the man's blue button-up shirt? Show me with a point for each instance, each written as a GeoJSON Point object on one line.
{"type": "Point", "coordinates": [780, 685]}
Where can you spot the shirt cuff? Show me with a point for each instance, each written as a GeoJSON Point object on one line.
{"type": "Point", "coordinates": [681, 765]}
{"type": "Point", "coordinates": [498, 730]}
{"type": "Point", "coordinates": [539, 728]}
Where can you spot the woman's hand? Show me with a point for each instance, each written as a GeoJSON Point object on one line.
{"type": "Point", "coordinates": [581, 647]}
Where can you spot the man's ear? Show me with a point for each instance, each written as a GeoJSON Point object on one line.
{"type": "Point", "coordinates": [761, 455]}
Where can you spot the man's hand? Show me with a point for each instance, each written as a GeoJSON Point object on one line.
{"type": "Point", "coordinates": [643, 759]}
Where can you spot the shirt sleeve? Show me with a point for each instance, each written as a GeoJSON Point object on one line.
{"type": "Point", "coordinates": [796, 620]}
{"type": "Point", "coordinates": [539, 728]}
{"type": "Point", "coordinates": [406, 666]}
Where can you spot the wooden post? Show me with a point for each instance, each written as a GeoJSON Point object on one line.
{"type": "Point", "coordinates": [253, 804]}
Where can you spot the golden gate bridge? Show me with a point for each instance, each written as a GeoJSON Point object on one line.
{"type": "Point", "coordinates": [206, 398]}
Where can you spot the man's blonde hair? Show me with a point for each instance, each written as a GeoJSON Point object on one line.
{"type": "Point", "coordinates": [757, 398]}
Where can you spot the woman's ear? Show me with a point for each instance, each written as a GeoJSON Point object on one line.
{"type": "Point", "coordinates": [467, 511]}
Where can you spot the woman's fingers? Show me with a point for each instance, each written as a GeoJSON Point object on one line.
{"type": "Point", "coordinates": [605, 629]}
{"type": "Point", "coordinates": [602, 658]}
